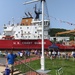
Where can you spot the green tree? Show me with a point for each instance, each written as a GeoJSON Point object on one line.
{"type": "Point", "coordinates": [71, 38]}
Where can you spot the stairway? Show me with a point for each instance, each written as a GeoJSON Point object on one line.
{"type": "Point", "coordinates": [17, 72]}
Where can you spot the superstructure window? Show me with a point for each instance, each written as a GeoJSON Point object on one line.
{"type": "Point", "coordinates": [38, 36]}
{"type": "Point", "coordinates": [35, 32]}
{"type": "Point", "coordinates": [28, 32]}
{"type": "Point", "coordinates": [28, 36]}
{"type": "Point", "coordinates": [46, 23]}
{"type": "Point", "coordinates": [18, 32]}
{"type": "Point", "coordinates": [21, 30]}
{"type": "Point", "coordinates": [20, 27]}
{"type": "Point", "coordinates": [34, 36]}
{"type": "Point", "coordinates": [35, 27]}
{"type": "Point", "coordinates": [25, 36]}
{"type": "Point", "coordinates": [16, 35]}
{"type": "Point", "coordinates": [5, 27]}
{"type": "Point", "coordinates": [27, 27]}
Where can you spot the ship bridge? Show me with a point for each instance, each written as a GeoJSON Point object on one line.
{"type": "Point", "coordinates": [46, 22]}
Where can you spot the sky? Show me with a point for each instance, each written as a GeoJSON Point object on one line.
{"type": "Point", "coordinates": [61, 12]}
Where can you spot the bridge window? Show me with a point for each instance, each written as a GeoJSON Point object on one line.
{"type": "Point", "coordinates": [5, 27]}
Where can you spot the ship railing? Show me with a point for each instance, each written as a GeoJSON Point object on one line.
{"type": "Point", "coordinates": [59, 71]}
{"type": "Point", "coordinates": [25, 68]}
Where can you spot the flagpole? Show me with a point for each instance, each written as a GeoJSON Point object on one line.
{"type": "Point", "coordinates": [42, 56]}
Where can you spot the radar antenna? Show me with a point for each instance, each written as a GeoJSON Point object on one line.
{"type": "Point", "coordinates": [37, 13]}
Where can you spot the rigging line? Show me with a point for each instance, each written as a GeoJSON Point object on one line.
{"type": "Point", "coordinates": [40, 6]}
{"type": "Point", "coordinates": [62, 21]}
{"type": "Point", "coordinates": [47, 10]}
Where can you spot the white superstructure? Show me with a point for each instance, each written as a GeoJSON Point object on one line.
{"type": "Point", "coordinates": [26, 31]}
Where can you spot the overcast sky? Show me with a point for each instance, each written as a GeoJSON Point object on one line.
{"type": "Point", "coordinates": [59, 10]}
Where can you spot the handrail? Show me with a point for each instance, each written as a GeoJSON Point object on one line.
{"type": "Point", "coordinates": [59, 71]}
{"type": "Point", "coordinates": [28, 67]}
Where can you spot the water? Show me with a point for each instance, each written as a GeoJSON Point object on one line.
{"type": "Point", "coordinates": [2, 60]}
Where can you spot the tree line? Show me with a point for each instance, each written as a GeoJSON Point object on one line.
{"type": "Point", "coordinates": [52, 32]}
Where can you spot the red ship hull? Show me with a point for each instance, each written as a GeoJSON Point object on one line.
{"type": "Point", "coordinates": [23, 44]}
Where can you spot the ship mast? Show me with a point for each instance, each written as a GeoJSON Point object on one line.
{"type": "Point", "coordinates": [42, 56]}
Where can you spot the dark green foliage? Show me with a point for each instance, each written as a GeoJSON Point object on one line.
{"type": "Point", "coordinates": [71, 37]}
{"type": "Point", "coordinates": [53, 31]}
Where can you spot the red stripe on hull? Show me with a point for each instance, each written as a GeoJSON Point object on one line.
{"type": "Point", "coordinates": [23, 44]}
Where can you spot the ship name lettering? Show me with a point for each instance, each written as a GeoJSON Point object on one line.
{"type": "Point", "coordinates": [26, 42]}
{"type": "Point", "coordinates": [39, 42]}
{"type": "Point", "coordinates": [29, 43]}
